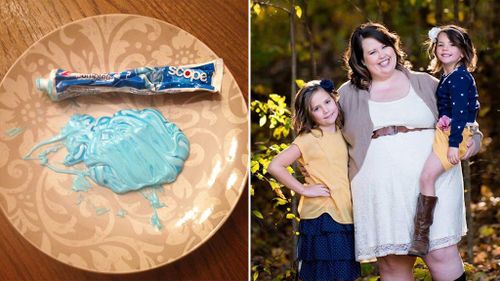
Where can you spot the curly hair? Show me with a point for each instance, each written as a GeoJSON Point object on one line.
{"type": "Point", "coordinates": [353, 57]}
{"type": "Point", "coordinates": [303, 121]}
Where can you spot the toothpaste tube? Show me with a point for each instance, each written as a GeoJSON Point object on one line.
{"type": "Point", "coordinates": [62, 84]}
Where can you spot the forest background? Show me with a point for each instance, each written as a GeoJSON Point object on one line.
{"type": "Point", "coordinates": [297, 40]}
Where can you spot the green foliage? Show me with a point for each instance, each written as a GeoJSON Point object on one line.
{"type": "Point", "coordinates": [486, 230]}
{"type": "Point", "coordinates": [274, 118]}
{"type": "Point", "coordinates": [258, 214]}
{"type": "Point", "coordinates": [275, 113]}
{"type": "Point", "coordinates": [367, 269]}
{"type": "Point", "coordinates": [421, 271]}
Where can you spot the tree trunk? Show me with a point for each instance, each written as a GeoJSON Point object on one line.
{"type": "Point", "coordinates": [466, 174]}
{"type": "Point", "coordinates": [380, 12]}
{"type": "Point", "coordinates": [439, 12]}
{"type": "Point", "coordinates": [471, 14]}
{"type": "Point", "coordinates": [310, 39]}
{"type": "Point", "coordinates": [468, 216]}
{"type": "Point", "coordinates": [293, 90]}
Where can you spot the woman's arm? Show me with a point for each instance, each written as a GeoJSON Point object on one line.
{"type": "Point", "coordinates": [278, 166]}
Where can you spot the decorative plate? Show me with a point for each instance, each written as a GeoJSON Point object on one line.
{"type": "Point", "coordinates": [71, 226]}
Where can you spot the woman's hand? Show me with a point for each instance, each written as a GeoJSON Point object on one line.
{"type": "Point", "coordinates": [453, 155]}
{"type": "Point", "coordinates": [471, 149]}
{"type": "Point", "coordinates": [315, 190]}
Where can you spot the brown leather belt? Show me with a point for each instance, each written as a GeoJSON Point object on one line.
{"type": "Point", "coordinates": [392, 130]}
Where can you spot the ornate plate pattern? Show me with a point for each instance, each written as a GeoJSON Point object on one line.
{"type": "Point", "coordinates": [64, 224]}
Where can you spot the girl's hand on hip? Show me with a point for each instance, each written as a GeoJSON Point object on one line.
{"type": "Point", "coordinates": [453, 155]}
{"type": "Point", "coordinates": [316, 190]}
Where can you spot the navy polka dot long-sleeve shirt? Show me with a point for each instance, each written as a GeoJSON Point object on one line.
{"type": "Point", "coordinates": [457, 98]}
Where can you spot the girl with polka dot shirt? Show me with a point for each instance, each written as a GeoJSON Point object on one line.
{"type": "Point", "coordinates": [452, 52]}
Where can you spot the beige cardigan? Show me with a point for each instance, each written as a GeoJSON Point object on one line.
{"type": "Point", "coordinates": [358, 126]}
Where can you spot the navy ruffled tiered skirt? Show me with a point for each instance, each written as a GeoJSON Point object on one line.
{"type": "Point", "coordinates": [326, 250]}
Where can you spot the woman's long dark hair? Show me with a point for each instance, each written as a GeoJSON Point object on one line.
{"type": "Point", "coordinates": [303, 121]}
{"type": "Point", "coordinates": [353, 56]}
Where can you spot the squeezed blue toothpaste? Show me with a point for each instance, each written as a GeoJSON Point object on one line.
{"type": "Point", "coordinates": [128, 151]}
{"type": "Point", "coordinates": [62, 84]}
{"type": "Point", "coordinates": [131, 150]}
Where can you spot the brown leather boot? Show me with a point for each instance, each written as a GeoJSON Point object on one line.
{"type": "Point", "coordinates": [423, 221]}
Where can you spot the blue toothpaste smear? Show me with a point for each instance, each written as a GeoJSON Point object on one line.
{"type": "Point", "coordinates": [128, 151]}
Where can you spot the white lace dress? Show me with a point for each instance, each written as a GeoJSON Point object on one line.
{"type": "Point", "coordinates": [386, 187]}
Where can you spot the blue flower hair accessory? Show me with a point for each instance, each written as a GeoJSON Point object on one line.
{"type": "Point", "coordinates": [327, 85]}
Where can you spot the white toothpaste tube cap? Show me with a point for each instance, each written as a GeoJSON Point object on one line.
{"type": "Point", "coordinates": [42, 84]}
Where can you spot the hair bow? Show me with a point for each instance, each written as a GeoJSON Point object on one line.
{"type": "Point", "coordinates": [433, 33]}
{"type": "Point", "coordinates": [327, 85]}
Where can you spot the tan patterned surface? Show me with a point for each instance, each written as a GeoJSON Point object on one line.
{"type": "Point", "coordinates": [40, 203]}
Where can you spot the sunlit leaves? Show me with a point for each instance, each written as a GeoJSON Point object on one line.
{"type": "Point", "coordinates": [262, 120]}
{"type": "Point", "coordinates": [486, 230]}
{"type": "Point", "coordinates": [298, 11]}
{"type": "Point", "coordinates": [367, 269]}
{"type": "Point", "coordinates": [258, 214]}
{"type": "Point", "coordinates": [255, 275]}
{"type": "Point", "coordinates": [256, 8]}
{"type": "Point", "coordinates": [274, 114]}
{"type": "Point", "coordinates": [421, 271]}
{"type": "Point", "coordinates": [254, 166]}
{"type": "Point", "coordinates": [280, 201]}
{"type": "Point", "coordinates": [292, 216]}
{"type": "Point", "coordinates": [300, 83]}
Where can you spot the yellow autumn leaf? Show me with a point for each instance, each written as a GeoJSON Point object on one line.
{"type": "Point", "coordinates": [298, 11]}
{"type": "Point", "coordinates": [274, 185]}
{"type": "Point", "coordinates": [262, 120]}
{"type": "Point", "coordinates": [486, 231]}
{"type": "Point", "coordinates": [255, 166]}
{"type": "Point", "coordinates": [256, 273]}
{"type": "Point", "coordinates": [300, 83]}
{"type": "Point", "coordinates": [277, 132]}
{"type": "Point", "coordinates": [257, 9]}
{"type": "Point", "coordinates": [258, 214]}
{"type": "Point", "coordinates": [280, 201]}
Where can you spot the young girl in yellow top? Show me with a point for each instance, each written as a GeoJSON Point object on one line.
{"type": "Point", "coordinates": [326, 241]}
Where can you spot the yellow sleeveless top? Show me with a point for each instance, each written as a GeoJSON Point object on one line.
{"type": "Point", "coordinates": [324, 156]}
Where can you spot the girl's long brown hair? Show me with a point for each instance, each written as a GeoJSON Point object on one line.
{"type": "Point", "coordinates": [459, 37]}
{"type": "Point", "coordinates": [303, 121]}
